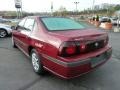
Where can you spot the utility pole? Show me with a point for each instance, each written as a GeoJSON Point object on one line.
{"type": "Point", "coordinates": [51, 8]}
{"type": "Point", "coordinates": [76, 3]}
{"type": "Point", "coordinates": [93, 7]}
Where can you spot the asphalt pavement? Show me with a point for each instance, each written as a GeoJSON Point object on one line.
{"type": "Point", "coordinates": [16, 72]}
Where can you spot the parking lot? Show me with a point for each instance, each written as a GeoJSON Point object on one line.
{"type": "Point", "coordinates": [16, 72]}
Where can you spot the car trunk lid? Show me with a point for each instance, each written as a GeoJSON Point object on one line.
{"type": "Point", "coordinates": [78, 35]}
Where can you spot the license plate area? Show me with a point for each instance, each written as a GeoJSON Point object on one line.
{"type": "Point", "coordinates": [98, 59]}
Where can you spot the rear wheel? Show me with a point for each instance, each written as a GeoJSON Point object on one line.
{"type": "Point", "coordinates": [36, 62]}
{"type": "Point", "coordinates": [3, 33]}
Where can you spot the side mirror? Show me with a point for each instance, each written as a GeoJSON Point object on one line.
{"type": "Point", "coordinates": [14, 27]}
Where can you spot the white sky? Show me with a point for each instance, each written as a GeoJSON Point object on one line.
{"type": "Point", "coordinates": [45, 5]}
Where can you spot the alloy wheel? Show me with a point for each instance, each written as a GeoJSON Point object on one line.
{"type": "Point", "coordinates": [2, 33]}
{"type": "Point", "coordinates": [35, 61]}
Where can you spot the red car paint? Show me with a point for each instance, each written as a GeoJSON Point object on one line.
{"type": "Point", "coordinates": [48, 45]}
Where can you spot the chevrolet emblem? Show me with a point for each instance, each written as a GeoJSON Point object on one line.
{"type": "Point", "coordinates": [96, 44]}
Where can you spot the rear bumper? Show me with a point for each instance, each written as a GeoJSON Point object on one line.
{"type": "Point", "coordinates": [69, 70]}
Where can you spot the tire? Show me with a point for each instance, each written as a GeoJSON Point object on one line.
{"type": "Point", "coordinates": [13, 43]}
{"type": "Point", "coordinates": [3, 33]}
{"type": "Point", "coordinates": [36, 62]}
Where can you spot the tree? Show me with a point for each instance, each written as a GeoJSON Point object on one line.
{"type": "Point", "coordinates": [61, 12]}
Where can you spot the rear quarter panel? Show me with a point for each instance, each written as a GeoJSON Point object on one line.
{"type": "Point", "coordinates": [44, 42]}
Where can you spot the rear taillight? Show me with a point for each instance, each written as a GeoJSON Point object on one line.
{"type": "Point", "coordinates": [68, 49]}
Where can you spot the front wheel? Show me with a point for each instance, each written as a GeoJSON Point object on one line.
{"type": "Point", "coordinates": [36, 62]}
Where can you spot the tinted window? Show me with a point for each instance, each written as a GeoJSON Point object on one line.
{"type": "Point", "coordinates": [29, 24]}
{"type": "Point", "coordinates": [21, 23]}
{"type": "Point", "coordinates": [54, 24]}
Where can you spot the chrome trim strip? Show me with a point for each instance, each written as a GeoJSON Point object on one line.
{"type": "Point", "coordinates": [75, 63]}
{"type": "Point", "coordinates": [67, 64]}
{"type": "Point", "coordinates": [20, 41]}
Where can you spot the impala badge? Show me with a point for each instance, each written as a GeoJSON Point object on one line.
{"type": "Point", "coordinates": [38, 45]}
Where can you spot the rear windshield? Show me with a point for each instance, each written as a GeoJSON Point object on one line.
{"type": "Point", "coordinates": [56, 24]}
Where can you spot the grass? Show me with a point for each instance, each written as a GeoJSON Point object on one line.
{"type": "Point", "coordinates": [10, 23]}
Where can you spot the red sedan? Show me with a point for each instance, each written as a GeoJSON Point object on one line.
{"type": "Point", "coordinates": [61, 45]}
